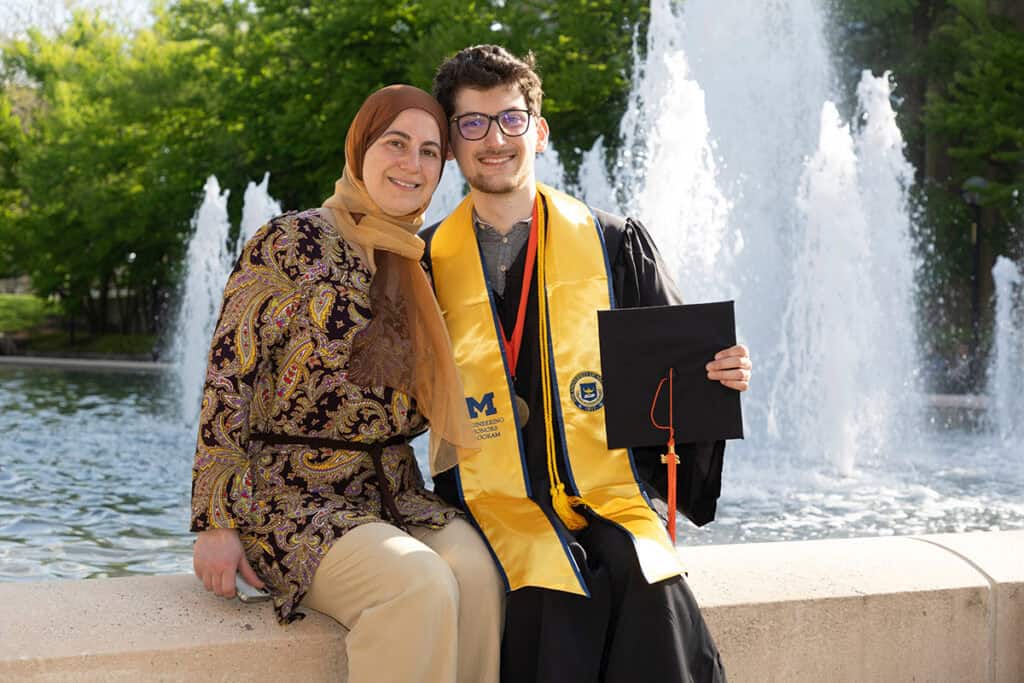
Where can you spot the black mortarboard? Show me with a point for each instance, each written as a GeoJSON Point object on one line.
{"type": "Point", "coordinates": [639, 345]}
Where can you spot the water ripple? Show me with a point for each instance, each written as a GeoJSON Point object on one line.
{"type": "Point", "coordinates": [94, 482]}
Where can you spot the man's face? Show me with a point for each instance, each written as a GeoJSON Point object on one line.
{"type": "Point", "coordinates": [497, 164]}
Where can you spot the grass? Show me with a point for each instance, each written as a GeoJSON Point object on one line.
{"type": "Point", "coordinates": [104, 344]}
{"type": "Point", "coordinates": [35, 325]}
{"type": "Point", "coordinates": [19, 312]}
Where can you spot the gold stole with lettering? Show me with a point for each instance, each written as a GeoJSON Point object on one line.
{"type": "Point", "coordinates": [494, 484]}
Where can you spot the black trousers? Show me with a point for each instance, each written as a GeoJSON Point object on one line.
{"type": "Point", "coordinates": [627, 631]}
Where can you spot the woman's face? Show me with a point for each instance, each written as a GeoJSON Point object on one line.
{"type": "Point", "coordinates": [402, 167]}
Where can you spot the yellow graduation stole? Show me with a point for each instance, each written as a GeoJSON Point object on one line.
{"type": "Point", "coordinates": [494, 485]}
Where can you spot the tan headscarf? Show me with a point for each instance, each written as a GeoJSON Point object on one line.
{"type": "Point", "coordinates": [400, 295]}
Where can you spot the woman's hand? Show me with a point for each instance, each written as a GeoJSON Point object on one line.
{"type": "Point", "coordinates": [731, 367]}
{"type": "Point", "coordinates": [217, 556]}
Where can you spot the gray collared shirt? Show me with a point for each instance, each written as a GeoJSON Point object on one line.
{"type": "Point", "coordinates": [499, 251]}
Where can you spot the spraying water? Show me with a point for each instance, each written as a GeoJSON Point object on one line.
{"type": "Point", "coordinates": [1006, 372]}
{"type": "Point", "coordinates": [208, 260]}
{"type": "Point", "coordinates": [208, 263]}
{"type": "Point", "coordinates": [755, 189]}
{"type": "Point", "coordinates": [667, 173]}
{"type": "Point", "coordinates": [257, 208]}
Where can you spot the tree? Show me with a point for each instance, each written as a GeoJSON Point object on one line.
{"type": "Point", "coordinates": [11, 198]}
{"type": "Point", "coordinates": [293, 75]}
{"type": "Point", "coordinates": [958, 66]}
{"type": "Point", "coordinates": [981, 112]}
{"type": "Point", "coordinates": [119, 129]}
{"type": "Point", "coordinates": [103, 169]}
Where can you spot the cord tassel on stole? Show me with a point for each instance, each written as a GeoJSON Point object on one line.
{"type": "Point", "coordinates": [562, 502]}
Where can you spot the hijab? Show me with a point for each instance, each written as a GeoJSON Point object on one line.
{"type": "Point", "coordinates": [400, 287]}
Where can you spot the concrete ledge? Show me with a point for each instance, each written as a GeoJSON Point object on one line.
{"type": "Point", "coordinates": [870, 609]}
{"type": "Point", "coordinates": [1001, 560]}
{"type": "Point", "coordinates": [164, 628]}
{"type": "Point", "coordinates": [89, 364]}
{"type": "Point", "coordinates": [930, 608]}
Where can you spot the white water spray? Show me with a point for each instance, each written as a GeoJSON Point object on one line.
{"type": "Point", "coordinates": [667, 173]}
{"type": "Point", "coordinates": [1006, 371]}
{"type": "Point", "coordinates": [755, 189]}
{"type": "Point", "coordinates": [257, 208]}
{"type": "Point", "coordinates": [209, 261]}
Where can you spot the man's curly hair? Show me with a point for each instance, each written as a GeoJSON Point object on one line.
{"type": "Point", "coordinates": [483, 67]}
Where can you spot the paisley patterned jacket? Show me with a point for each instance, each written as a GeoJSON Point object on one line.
{"type": "Point", "coordinates": [294, 353]}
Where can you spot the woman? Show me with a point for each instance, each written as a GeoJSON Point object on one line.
{"type": "Point", "coordinates": [331, 353]}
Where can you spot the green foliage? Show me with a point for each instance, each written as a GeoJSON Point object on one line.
{"type": "Point", "coordinates": [981, 112]}
{"type": "Point", "coordinates": [290, 77]}
{"type": "Point", "coordinates": [962, 84]}
{"type": "Point", "coordinates": [23, 311]}
{"type": "Point", "coordinates": [135, 345]}
{"type": "Point", "coordinates": [99, 168]}
{"type": "Point", "coordinates": [11, 197]}
{"type": "Point", "coordinates": [876, 11]}
{"type": "Point", "coordinates": [106, 137]}
{"type": "Point", "coordinates": [584, 52]}
{"type": "Point", "coordinates": [960, 104]}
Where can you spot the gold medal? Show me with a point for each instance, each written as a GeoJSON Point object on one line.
{"type": "Point", "coordinates": [522, 411]}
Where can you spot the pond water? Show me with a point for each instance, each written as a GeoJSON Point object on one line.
{"type": "Point", "coordinates": [94, 482]}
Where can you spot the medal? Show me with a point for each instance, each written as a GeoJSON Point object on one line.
{"type": "Point", "coordinates": [522, 411]}
{"type": "Point", "coordinates": [513, 345]}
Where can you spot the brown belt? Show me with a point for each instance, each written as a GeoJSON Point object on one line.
{"type": "Point", "coordinates": [375, 451]}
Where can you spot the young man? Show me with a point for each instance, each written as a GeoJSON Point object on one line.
{"type": "Point", "coordinates": [596, 588]}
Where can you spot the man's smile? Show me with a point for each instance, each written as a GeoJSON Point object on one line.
{"type": "Point", "coordinates": [496, 159]}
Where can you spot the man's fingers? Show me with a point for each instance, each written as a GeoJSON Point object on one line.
{"type": "Point", "coordinates": [733, 351]}
{"type": "Point", "coordinates": [733, 379]}
{"type": "Point", "coordinates": [738, 375]}
{"type": "Point", "coordinates": [248, 574]}
{"type": "Point", "coordinates": [731, 367]}
{"type": "Point", "coordinates": [729, 363]}
{"type": "Point", "coordinates": [738, 386]}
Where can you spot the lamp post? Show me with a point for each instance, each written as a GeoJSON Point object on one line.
{"type": "Point", "coordinates": [971, 192]}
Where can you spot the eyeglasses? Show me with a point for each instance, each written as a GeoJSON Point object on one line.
{"type": "Point", "coordinates": [476, 126]}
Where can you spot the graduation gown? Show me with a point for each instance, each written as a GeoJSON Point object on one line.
{"type": "Point", "coordinates": [627, 630]}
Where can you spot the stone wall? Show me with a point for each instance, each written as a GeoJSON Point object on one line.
{"type": "Point", "coordinates": [929, 608]}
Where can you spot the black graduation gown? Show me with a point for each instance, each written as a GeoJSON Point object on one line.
{"type": "Point", "coordinates": [627, 630]}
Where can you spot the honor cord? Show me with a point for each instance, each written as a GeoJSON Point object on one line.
{"type": "Point", "coordinates": [560, 500]}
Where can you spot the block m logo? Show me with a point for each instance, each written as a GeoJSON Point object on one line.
{"type": "Point", "coordinates": [485, 405]}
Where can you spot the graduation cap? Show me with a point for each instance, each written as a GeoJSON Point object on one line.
{"type": "Point", "coordinates": [656, 388]}
{"type": "Point", "coordinates": [638, 348]}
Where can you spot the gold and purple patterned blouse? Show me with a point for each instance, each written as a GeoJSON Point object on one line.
{"type": "Point", "coordinates": [294, 339]}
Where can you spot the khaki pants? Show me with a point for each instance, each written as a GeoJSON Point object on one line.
{"type": "Point", "coordinates": [422, 607]}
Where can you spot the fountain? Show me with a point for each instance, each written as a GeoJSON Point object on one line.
{"type": "Point", "coordinates": [209, 261]}
{"type": "Point", "coordinates": [1006, 371]}
{"type": "Point", "coordinates": [257, 208]}
{"type": "Point", "coordinates": [755, 188]}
